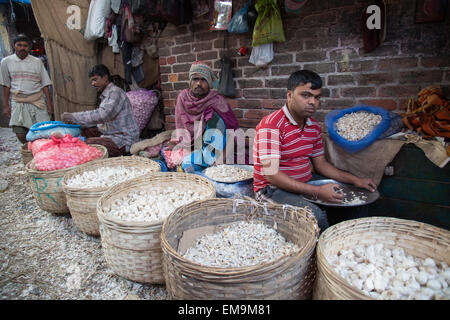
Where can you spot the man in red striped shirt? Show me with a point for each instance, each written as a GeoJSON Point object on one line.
{"type": "Point", "coordinates": [286, 143]}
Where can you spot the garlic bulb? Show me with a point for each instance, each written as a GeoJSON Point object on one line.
{"type": "Point", "coordinates": [105, 177]}
{"type": "Point", "coordinates": [154, 204]}
{"type": "Point", "coordinates": [384, 273]}
{"type": "Point", "coordinates": [240, 244]}
{"type": "Point", "coordinates": [356, 125]}
{"type": "Point", "coordinates": [228, 173]}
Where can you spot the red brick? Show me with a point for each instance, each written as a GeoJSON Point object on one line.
{"type": "Point", "coordinates": [387, 104]}
{"type": "Point", "coordinates": [399, 91]}
{"type": "Point", "coordinates": [256, 93]}
{"type": "Point", "coordinates": [397, 64]}
{"type": "Point", "coordinates": [355, 66]}
{"type": "Point", "coordinates": [186, 58]}
{"type": "Point", "coordinates": [249, 104]}
{"type": "Point", "coordinates": [310, 56]}
{"type": "Point", "coordinates": [257, 114]}
{"type": "Point", "coordinates": [170, 118]}
{"type": "Point", "coordinates": [169, 103]}
{"type": "Point", "coordinates": [420, 77]}
{"type": "Point", "coordinates": [331, 104]}
{"type": "Point", "coordinates": [334, 80]}
{"type": "Point", "coordinates": [278, 93]}
{"type": "Point", "coordinates": [359, 92]}
{"type": "Point", "coordinates": [171, 60]}
{"type": "Point", "coordinates": [436, 62]}
{"type": "Point", "coordinates": [232, 102]}
{"type": "Point", "coordinates": [321, 67]}
{"type": "Point", "coordinates": [209, 55]}
{"type": "Point", "coordinates": [273, 103]}
{"type": "Point", "coordinates": [173, 77]}
{"type": "Point", "coordinates": [250, 83]}
{"type": "Point", "coordinates": [162, 61]}
{"type": "Point", "coordinates": [248, 123]}
{"type": "Point", "coordinates": [181, 49]}
{"type": "Point", "coordinates": [375, 78]}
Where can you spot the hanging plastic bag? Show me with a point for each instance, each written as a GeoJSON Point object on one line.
{"type": "Point", "coordinates": [221, 15]}
{"type": "Point", "coordinates": [143, 102]}
{"type": "Point", "coordinates": [239, 22]}
{"type": "Point", "coordinates": [268, 26]}
{"type": "Point", "coordinates": [226, 83]}
{"type": "Point", "coordinates": [99, 10]}
{"type": "Point", "coordinates": [261, 55]}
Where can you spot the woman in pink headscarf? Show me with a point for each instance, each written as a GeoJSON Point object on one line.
{"type": "Point", "coordinates": [198, 108]}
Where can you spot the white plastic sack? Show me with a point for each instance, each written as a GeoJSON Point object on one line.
{"type": "Point", "coordinates": [99, 10]}
{"type": "Point", "coordinates": [262, 55]}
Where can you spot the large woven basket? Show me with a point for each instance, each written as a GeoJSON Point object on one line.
{"type": "Point", "coordinates": [46, 186]}
{"type": "Point", "coordinates": [417, 239]}
{"type": "Point", "coordinates": [82, 202]}
{"type": "Point", "coordinates": [133, 249]}
{"type": "Point", "coordinates": [289, 277]}
{"type": "Point", "coordinates": [27, 155]}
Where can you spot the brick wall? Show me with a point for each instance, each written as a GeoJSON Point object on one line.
{"type": "Point", "coordinates": [325, 37]}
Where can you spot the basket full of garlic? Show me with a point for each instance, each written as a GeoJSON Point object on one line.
{"type": "Point", "coordinates": [239, 249]}
{"type": "Point", "coordinates": [231, 180]}
{"type": "Point", "coordinates": [85, 184]}
{"type": "Point", "coordinates": [27, 155]}
{"type": "Point", "coordinates": [383, 258]}
{"type": "Point", "coordinates": [46, 185]}
{"type": "Point", "coordinates": [131, 215]}
{"type": "Point", "coordinates": [358, 127]}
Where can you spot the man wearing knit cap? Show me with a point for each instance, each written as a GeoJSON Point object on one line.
{"type": "Point", "coordinates": [202, 105]}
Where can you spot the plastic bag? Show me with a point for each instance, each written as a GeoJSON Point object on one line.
{"type": "Point", "coordinates": [65, 153]}
{"type": "Point", "coordinates": [261, 55]}
{"type": "Point", "coordinates": [226, 83]}
{"type": "Point", "coordinates": [268, 26]}
{"type": "Point", "coordinates": [396, 125]}
{"type": "Point", "coordinates": [36, 145]}
{"type": "Point", "coordinates": [174, 157]}
{"type": "Point", "coordinates": [221, 15]}
{"type": "Point", "coordinates": [143, 102]}
{"type": "Point", "coordinates": [46, 129]}
{"type": "Point", "coordinates": [239, 23]}
{"type": "Point", "coordinates": [354, 146]}
{"type": "Point", "coordinates": [99, 10]}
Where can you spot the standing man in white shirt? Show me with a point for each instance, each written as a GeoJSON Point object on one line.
{"type": "Point", "coordinates": [25, 79]}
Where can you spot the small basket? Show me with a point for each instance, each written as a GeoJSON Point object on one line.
{"type": "Point", "coordinates": [133, 249]}
{"type": "Point", "coordinates": [82, 202]}
{"type": "Point", "coordinates": [289, 277]}
{"type": "Point", "coordinates": [46, 186]}
{"type": "Point", "coordinates": [417, 239]}
{"type": "Point", "coordinates": [27, 155]}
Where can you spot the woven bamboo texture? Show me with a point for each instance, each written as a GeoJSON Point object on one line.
{"type": "Point", "coordinates": [290, 277]}
{"type": "Point", "coordinates": [27, 155]}
{"type": "Point", "coordinates": [82, 202]}
{"type": "Point", "coordinates": [46, 186]}
{"type": "Point", "coordinates": [417, 239]}
{"type": "Point", "coordinates": [133, 249]}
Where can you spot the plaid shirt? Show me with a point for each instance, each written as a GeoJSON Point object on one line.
{"type": "Point", "coordinates": [114, 118]}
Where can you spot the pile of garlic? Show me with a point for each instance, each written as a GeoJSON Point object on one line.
{"type": "Point", "coordinates": [105, 177]}
{"type": "Point", "coordinates": [152, 205]}
{"type": "Point", "coordinates": [356, 125]}
{"type": "Point", "coordinates": [228, 173]}
{"type": "Point", "coordinates": [240, 244]}
{"type": "Point", "coordinates": [388, 274]}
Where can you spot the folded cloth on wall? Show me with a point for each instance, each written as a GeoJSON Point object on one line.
{"type": "Point", "coordinates": [372, 161]}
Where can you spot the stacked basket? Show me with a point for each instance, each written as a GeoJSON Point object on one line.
{"type": "Point", "coordinates": [46, 186]}
{"type": "Point", "coordinates": [133, 249]}
{"type": "Point", "coordinates": [82, 202]}
{"type": "Point", "coordinates": [289, 277]}
{"type": "Point", "coordinates": [417, 239]}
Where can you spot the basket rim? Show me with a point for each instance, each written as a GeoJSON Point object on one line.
{"type": "Point", "coordinates": [230, 272]}
{"type": "Point", "coordinates": [86, 165]}
{"type": "Point", "coordinates": [33, 171]}
{"type": "Point", "coordinates": [137, 182]}
{"type": "Point", "coordinates": [331, 269]}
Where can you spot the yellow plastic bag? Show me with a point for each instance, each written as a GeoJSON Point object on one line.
{"type": "Point", "coordinates": [268, 26]}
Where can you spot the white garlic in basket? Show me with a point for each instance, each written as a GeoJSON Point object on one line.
{"type": "Point", "coordinates": [391, 274]}
{"type": "Point", "coordinates": [228, 173]}
{"type": "Point", "coordinates": [356, 125]}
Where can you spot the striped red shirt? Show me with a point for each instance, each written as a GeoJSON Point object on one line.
{"type": "Point", "coordinates": [278, 136]}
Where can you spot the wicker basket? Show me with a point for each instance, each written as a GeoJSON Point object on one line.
{"type": "Point", "coordinates": [417, 239]}
{"type": "Point", "coordinates": [289, 277]}
{"type": "Point", "coordinates": [27, 155]}
{"type": "Point", "coordinates": [82, 202]}
{"type": "Point", "coordinates": [46, 186]}
{"type": "Point", "coordinates": [133, 249]}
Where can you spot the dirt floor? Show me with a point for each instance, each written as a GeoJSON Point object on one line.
{"type": "Point", "coordinates": [44, 256]}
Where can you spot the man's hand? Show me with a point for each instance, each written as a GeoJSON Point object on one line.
{"type": "Point", "coordinates": [365, 183]}
{"type": "Point", "coordinates": [329, 193]}
{"type": "Point", "coordinates": [66, 117]}
{"type": "Point", "coordinates": [7, 111]}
